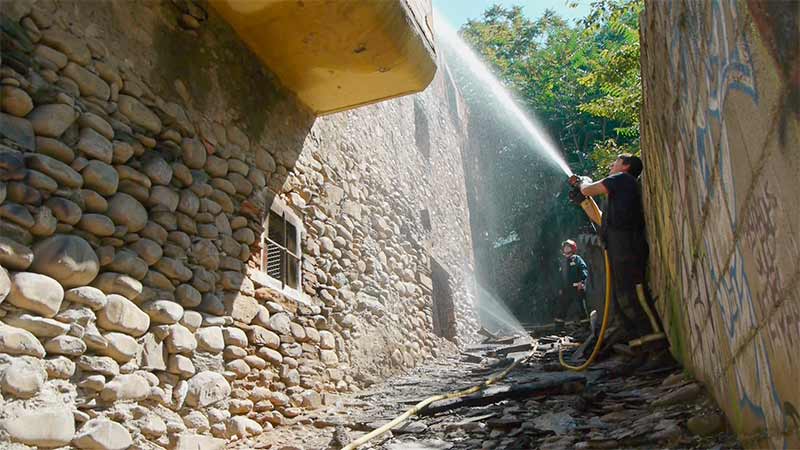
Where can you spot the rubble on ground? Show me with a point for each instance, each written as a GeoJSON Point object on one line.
{"type": "Point", "coordinates": [617, 403]}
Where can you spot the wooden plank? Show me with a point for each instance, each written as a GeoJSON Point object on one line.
{"type": "Point", "coordinates": [513, 349]}
{"type": "Point", "coordinates": [500, 341]}
{"type": "Point", "coordinates": [555, 386]}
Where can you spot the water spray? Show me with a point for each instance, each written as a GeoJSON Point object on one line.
{"type": "Point", "coordinates": [533, 133]}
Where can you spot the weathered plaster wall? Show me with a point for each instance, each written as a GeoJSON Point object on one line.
{"type": "Point", "coordinates": [140, 146]}
{"type": "Point", "coordinates": [721, 146]}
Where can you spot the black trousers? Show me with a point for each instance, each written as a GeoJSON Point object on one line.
{"type": "Point", "coordinates": [627, 253]}
{"type": "Point", "coordinates": [572, 305]}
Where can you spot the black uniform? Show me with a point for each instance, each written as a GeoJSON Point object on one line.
{"type": "Point", "coordinates": [573, 270]}
{"type": "Point", "coordinates": [623, 233]}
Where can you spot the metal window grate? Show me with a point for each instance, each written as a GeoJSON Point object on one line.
{"type": "Point", "coordinates": [280, 252]}
{"type": "Point", "coordinates": [274, 256]}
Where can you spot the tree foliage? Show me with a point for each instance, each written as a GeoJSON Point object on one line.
{"type": "Point", "coordinates": [616, 73]}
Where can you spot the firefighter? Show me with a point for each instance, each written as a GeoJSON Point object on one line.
{"type": "Point", "coordinates": [574, 276]}
{"type": "Point", "coordinates": [623, 233]}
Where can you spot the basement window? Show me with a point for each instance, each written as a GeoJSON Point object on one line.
{"type": "Point", "coordinates": [281, 258]}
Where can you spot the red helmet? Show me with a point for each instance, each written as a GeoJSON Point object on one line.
{"type": "Point", "coordinates": [570, 243]}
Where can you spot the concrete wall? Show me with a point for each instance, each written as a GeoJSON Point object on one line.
{"type": "Point", "coordinates": [721, 146]}
{"type": "Point", "coordinates": [139, 152]}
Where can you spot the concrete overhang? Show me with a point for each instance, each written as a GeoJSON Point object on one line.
{"type": "Point", "coordinates": [339, 54]}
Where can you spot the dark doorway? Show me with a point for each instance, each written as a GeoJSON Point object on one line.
{"type": "Point", "coordinates": [444, 313]}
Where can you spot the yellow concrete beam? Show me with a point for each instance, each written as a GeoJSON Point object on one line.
{"type": "Point", "coordinates": [336, 54]}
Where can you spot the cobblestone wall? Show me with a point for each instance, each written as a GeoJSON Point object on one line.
{"type": "Point", "coordinates": [142, 146]}
{"type": "Point", "coordinates": [720, 140]}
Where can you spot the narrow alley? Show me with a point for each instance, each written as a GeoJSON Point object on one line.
{"type": "Point", "coordinates": [284, 225]}
{"type": "Point", "coordinates": [614, 404]}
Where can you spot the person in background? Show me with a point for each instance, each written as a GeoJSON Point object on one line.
{"type": "Point", "coordinates": [574, 276]}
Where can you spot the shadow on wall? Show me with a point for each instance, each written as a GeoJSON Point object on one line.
{"type": "Point", "coordinates": [210, 68]}
{"type": "Point", "coordinates": [779, 25]}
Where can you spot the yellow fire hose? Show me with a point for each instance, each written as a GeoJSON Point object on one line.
{"type": "Point", "coordinates": [418, 407]}
{"type": "Point", "coordinates": [591, 209]}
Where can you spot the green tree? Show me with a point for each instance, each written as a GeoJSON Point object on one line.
{"type": "Point", "coordinates": [615, 72]}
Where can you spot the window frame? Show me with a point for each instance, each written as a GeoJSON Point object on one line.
{"type": "Point", "coordinates": [287, 215]}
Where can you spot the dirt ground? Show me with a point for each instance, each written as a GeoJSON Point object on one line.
{"type": "Point", "coordinates": [614, 404]}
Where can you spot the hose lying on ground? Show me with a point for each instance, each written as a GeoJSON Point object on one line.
{"type": "Point", "coordinates": [606, 309]}
{"type": "Point", "coordinates": [419, 406]}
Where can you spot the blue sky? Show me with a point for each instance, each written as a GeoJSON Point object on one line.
{"type": "Point", "coordinates": [457, 12]}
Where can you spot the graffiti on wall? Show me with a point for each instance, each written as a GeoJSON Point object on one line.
{"type": "Point", "coordinates": [710, 58]}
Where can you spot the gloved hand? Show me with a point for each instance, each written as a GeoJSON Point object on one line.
{"type": "Point", "coordinates": [575, 195]}
{"type": "Point", "coordinates": [577, 180]}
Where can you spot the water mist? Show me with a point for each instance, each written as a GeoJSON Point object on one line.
{"type": "Point", "coordinates": [530, 131]}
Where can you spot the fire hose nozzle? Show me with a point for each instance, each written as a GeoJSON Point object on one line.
{"type": "Point", "coordinates": [577, 197]}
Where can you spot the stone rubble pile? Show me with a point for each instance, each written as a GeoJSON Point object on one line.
{"type": "Point", "coordinates": [617, 408]}
{"type": "Point", "coordinates": [133, 309]}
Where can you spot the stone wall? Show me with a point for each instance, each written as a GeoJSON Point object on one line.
{"type": "Point", "coordinates": [720, 140]}
{"type": "Point", "coordinates": [142, 146]}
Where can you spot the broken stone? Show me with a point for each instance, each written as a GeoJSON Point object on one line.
{"type": "Point", "coordinates": [86, 295]}
{"type": "Point", "coordinates": [100, 364]}
{"type": "Point", "coordinates": [181, 366]}
{"type": "Point", "coordinates": [189, 441]}
{"type": "Point", "coordinates": [54, 427]}
{"type": "Point", "coordinates": [35, 292]}
{"type": "Point", "coordinates": [65, 345]}
{"type": "Point", "coordinates": [23, 378]}
{"type": "Point", "coordinates": [180, 340]}
{"type": "Point", "coordinates": [681, 395]}
{"type": "Point", "coordinates": [59, 368]}
{"type": "Point", "coordinates": [210, 339]}
{"type": "Point", "coordinates": [704, 425]}
{"type": "Point", "coordinates": [121, 347]}
{"type": "Point", "coordinates": [120, 314]}
{"type": "Point", "coordinates": [234, 336]}
{"type": "Point", "coordinates": [16, 341]}
{"type": "Point", "coordinates": [207, 388]}
{"type": "Point", "coordinates": [39, 326]}
{"type": "Point", "coordinates": [126, 387]}
{"type": "Point", "coordinates": [163, 311]}
{"type": "Point", "coordinates": [102, 434]}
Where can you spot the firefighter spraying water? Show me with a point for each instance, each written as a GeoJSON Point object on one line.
{"type": "Point", "coordinates": [622, 232]}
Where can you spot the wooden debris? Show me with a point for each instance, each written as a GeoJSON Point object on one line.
{"type": "Point", "coordinates": [501, 340]}
{"type": "Point", "coordinates": [541, 330]}
{"type": "Point", "coordinates": [471, 357]}
{"type": "Point", "coordinates": [486, 333]}
{"type": "Point", "coordinates": [556, 386]}
{"type": "Point", "coordinates": [512, 349]}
